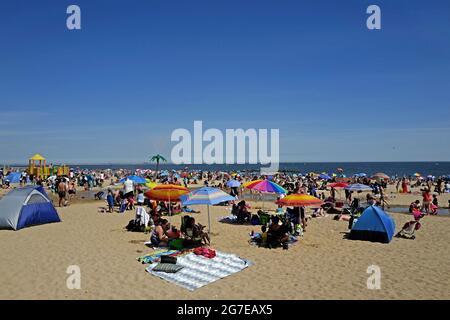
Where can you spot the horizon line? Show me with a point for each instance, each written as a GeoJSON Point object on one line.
{"type": "Point", "coordinates": [233, 164]}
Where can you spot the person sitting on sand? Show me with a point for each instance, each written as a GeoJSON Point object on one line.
{"type": "Point", "coordinates": [414, 206]}
{"type": "Point", "coordinates": [159, 236]}
{"type": "Point", "coordinates": [189, 210]}
{"type": "Point", "coordinates": [277, 234]}
{"type": "Point", "coordinates": [243, 214]}
{"type": "Point", "coordinates": [197, 230]}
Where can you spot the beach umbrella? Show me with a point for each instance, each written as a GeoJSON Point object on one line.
{"type": "Point", "coordinates": [167, 192]}
{"type": "Point", "coordinates": [380, 175]}
{"type": "Point", "coordinates": [416, 174]}
{"type": "Point", "coordinates": [164, 173]}
{"type": "Point", "coordinates": [208, 196]}
{"type": "Point", "coordinates": [299, 200]}
{"type": "Point", "coordinates": [266, 186]}
{"type": "Point", "coordinates": [150, 184]}
{"type": "Point", "coordinates": [338, 185]}
{"type": "Point", "coordinates": [324, 176]}
{"type": "Point", "coordinates": [233, 184]}
{"type": "Point", "coordinates": [135, 179]}
{"type": "Point", "coordinates": [358, 187]}
{"type": "Point", "coordinates": [360, 175]}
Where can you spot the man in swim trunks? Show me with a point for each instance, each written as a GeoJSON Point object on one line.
{"type": "Point", "coordinates": [62, 189]}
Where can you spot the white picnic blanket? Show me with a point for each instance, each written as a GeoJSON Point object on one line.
{"type": "Point", "coordinates": [199, 271]}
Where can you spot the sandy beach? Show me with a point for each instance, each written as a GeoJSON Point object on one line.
{"type": "Point", "coordinates": [322, 265]}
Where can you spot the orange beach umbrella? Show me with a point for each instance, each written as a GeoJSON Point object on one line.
{"type": "Point", "coordinates": [167, 192]}
{"type": "Point", "coordinates": [299, 200]}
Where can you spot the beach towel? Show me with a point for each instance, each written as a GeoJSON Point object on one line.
{"type": "Point", "coordinates": [199, 271]}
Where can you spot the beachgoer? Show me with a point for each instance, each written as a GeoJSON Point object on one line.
{"type": "Point", "coordinates": [426, 201]}
{"type": "Point", "coordinates": [62, 189]}
{"type": "Point", "coordinates": [159, 236]}
{"type": "Point", "coordinates": [110, 200]}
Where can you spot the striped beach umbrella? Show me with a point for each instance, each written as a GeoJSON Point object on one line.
{"type": "Point", "coordinates": [208, 196]}
{"type": "Point", "coordinates": [265, 186]}
{"type": "Point", "coordinates": [299, 200]}
{"type": "Point", "coordinates": [358, 187]}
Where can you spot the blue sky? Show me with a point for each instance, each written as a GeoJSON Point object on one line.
{"type": "Point", "coordinates": [115, 90]}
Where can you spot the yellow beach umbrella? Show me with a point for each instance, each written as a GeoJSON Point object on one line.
{"type": "Point", "coordinates": [150, 184]}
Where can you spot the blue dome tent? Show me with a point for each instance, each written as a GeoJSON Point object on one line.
{"type": "Point", "coordinates": [24, 207]}
{"type": "Point", "coordinates": [373, 225]}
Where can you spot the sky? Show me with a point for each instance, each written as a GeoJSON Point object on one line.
{"type": "Point", "coordinates": [114, 91]}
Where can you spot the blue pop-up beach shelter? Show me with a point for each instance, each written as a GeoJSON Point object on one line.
{"type": "Point", "coordinates": [24, 207]}
{"type": "Point", "coordinates": [373, 225]}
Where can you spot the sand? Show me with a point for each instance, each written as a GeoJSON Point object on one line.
{"type": "Point", "coordinates": [323, 265]}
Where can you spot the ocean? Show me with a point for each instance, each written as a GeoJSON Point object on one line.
{"type": "Point", "coordinates": [350, 168]}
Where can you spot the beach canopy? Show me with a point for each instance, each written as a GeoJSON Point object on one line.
{"type": "Point", "coordinates": [135, 179]}
{"type": "Point", "coordinates": [37, 157]}
{"type": "Point", "coordinates": [24, 207]}
{"type": "Point", "coordinates": [299, 200]}
{"type": "Point", "coordinates": [358, 187]}
{"type": "Point", "coordinates": [266, 186]}
{"type": "Point", "coordinates": [13, 177]}
{"type": "Point", "coordinates": [373, 225]}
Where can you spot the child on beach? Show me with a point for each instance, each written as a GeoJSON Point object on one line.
{"type": "Point", "coordinates": [110, 201]}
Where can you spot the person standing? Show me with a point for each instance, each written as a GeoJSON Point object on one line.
{"type": "Point", "coordinates": [426, 202]}
{"type": "Point", "coordinates": [62, 189]}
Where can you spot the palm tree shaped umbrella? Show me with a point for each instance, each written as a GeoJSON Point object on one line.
{"type": "Point", "coordinates": [157, 158]}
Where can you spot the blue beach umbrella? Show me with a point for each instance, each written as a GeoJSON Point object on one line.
{"type": "Point", "coordinates": [208, 196]}
{"type": "Point", "coordinates": [233, 184]}
{"type": "Point", "coordinates": [135, 179]}
{"type": "Point", "coordinates": [324, 176]}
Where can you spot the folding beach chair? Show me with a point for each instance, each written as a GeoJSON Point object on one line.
{"type": "Point", "coordinates": [408, 230]}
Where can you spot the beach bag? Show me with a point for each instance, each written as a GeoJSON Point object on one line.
{"type": "Point", "coordinates": [168, 259]}
{"type": "Point", "coordinates": [254, 220]}
{"type": "Point", "coordinates": [176, 244]}
{"type": "Point", "coordinates": [167, 267]}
